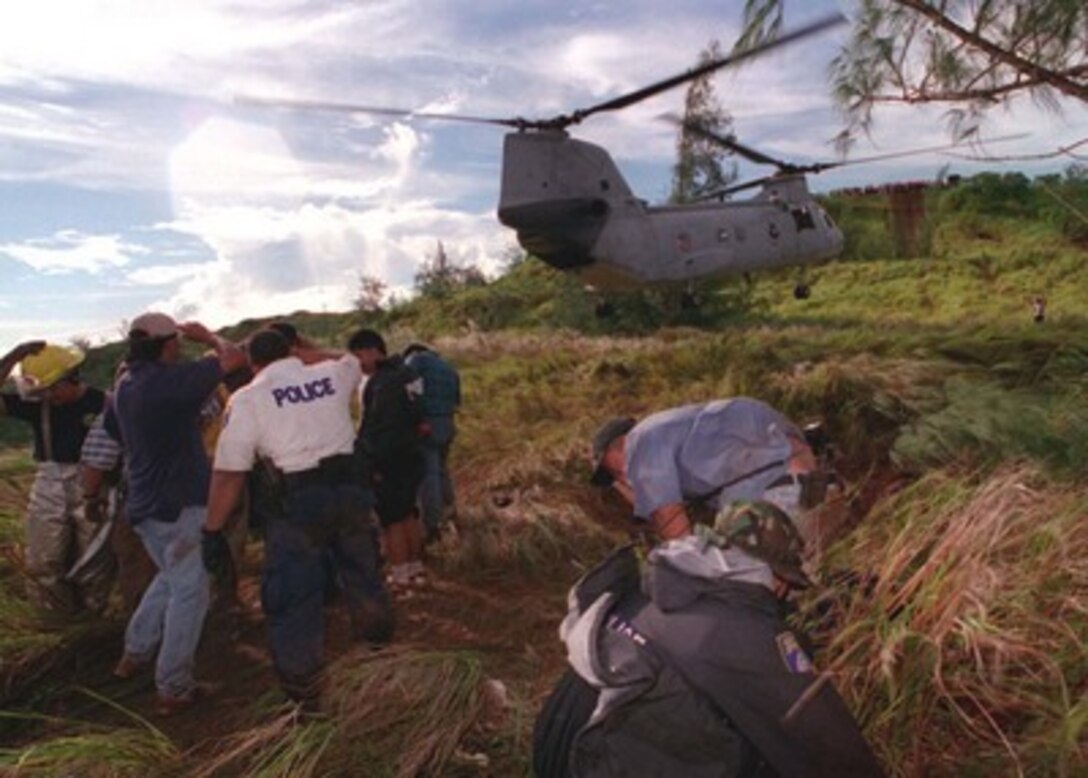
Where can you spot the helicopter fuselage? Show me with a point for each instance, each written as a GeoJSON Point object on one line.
{"type": "Point", "coordinates": [571, 207]}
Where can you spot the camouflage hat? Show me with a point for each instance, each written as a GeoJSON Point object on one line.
{"type": "Point", "coordinates": [764, 531]}
{"type": "Point", "coordinates": [608, 432]}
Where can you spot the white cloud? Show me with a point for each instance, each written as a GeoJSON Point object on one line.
{"type": "Point", "coordinates": [277, 261]}
{"type": "Point", "coordinates": [69, 251]}
{"type": "Point", "coordinates": [163, 275]}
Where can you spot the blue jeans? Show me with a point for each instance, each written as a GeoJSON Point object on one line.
{"type": "Point", "coordinates": [327, 531]}
{"type": "Point", "coordinates": [170, 617]}
{"type": "Point", "coordinates": [436, 490]}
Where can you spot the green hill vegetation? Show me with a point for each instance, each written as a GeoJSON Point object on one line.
{"type": "Point", "coordinates": [954, 616]}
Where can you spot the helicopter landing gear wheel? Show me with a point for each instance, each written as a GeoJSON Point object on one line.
{"type": "Point", "coordinates": [802, 291]}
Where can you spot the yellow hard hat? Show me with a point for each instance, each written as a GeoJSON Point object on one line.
{"type": "Point", "coordinates": [51, 364]}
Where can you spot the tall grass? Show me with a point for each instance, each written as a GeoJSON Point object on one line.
{"type": "Point", "coordinates": [397, 713]}
{"type": "Point", "coordinates": [969, 654]}
{"type": "Point", "coordinates": [92, 749]}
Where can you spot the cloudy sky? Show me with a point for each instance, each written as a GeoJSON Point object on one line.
{"type": "Point", "coordinates": [130, 179]}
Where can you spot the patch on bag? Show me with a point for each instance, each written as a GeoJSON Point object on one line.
{"type": "Point", "coordinates": [794, 657]}
{"type": "Point", "coordinates": [616, 624]}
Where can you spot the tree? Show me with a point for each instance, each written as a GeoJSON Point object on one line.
{"type": "Point", "coordinates": [371, 294]}
{"type": "Point", "coordinates": [439, 277]}
{"type": "Point", "coordinates": [972, 56]}
{"type": "Point", "coordinates": [700, 163]}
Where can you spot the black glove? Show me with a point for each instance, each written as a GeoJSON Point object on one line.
{"type": "Point", "coordinates": [215, 552]}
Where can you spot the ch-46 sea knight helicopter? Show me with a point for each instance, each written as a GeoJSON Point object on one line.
{"type": "Point", "coordinates": [572, 208]}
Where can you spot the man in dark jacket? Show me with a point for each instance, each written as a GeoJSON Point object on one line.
{"type": "Point", "coordinates": [694, 670]}
{"type": "Point", "coordinates": [389, 441]}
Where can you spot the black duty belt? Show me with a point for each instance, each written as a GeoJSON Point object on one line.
{"type": "Point", "coordinates": [331, 471]}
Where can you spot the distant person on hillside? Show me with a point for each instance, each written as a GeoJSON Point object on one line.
{"type": "Point", "coordinates": [440, 401]}
{"type": "Point", "coordinates": [59, 408]}
{"type": "Point", "coordinates": [296, 417]}
{"type": "Point", "coordinates": [156, 416]}
{"type": "Point", "coordinates": [389, 440]}
{"type": "Point", "coordinates": [1038, 309]}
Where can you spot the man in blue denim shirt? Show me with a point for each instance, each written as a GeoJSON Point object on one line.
{"type": "Point", "coordinates": [711, 453]}
{"type": "Point", "coordinates": [440, 401]}
{"type": "Point", "coordinates": [155, 415]}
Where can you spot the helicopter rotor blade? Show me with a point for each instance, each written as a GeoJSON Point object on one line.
{"type": "Point", "coordinates": [785, 168]}
{"type": "Point", "coordinates": [718, 194]}
{"type": "Point", "coordinates": [731, 60]}
{"type": "Point", "coordinates": [349, 108]}
{"type": "Point", "coordinates": [728, 142]}
{"type": "Point", "coordinates": [563, 120]}
{"type": "Point", "coordinates": [821, 166]}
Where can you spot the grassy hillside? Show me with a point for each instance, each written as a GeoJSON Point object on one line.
{"type": "Point", "coordinates": [954, 612]}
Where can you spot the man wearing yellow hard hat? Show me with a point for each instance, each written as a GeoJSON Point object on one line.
{"type": "Point", "coordinates": [60, 408]}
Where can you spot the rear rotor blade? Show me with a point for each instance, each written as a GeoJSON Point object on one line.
{"type": "Point", "coordinates": [909, 153]}
{"type": "Point", "coordinates": [819, 167]}
{"type": "Point", "coordinates": [741, 187]}
{"type": "Point", "coordinates": [725, 141]}
{"type": "Point", "coordinates": [317, 105]}
{"type": "Point", "coordinates": [734, 59]}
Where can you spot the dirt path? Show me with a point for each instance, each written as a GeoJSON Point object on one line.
{"type": "Point", "coordinates": [510, 624]}
{"type": "Point", "coordinates": [508, 619]}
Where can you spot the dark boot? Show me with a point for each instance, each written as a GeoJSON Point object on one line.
{"type": "Point", "coordinates": [372, 620]}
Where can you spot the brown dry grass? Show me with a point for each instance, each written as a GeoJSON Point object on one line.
{"type": "Point", "coordinates": [972, 647]}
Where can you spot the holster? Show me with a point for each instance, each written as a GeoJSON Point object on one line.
{"type": "Point", "coordinates": [330, 471]}
{"type": "Point", "coordinates": [268, 495]}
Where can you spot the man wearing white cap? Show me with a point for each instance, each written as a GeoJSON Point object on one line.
{"type": "Point", "coordinates": [155, 415]}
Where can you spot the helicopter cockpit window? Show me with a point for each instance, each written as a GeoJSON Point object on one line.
{"type": "Point", "coordinates": [802, 219]}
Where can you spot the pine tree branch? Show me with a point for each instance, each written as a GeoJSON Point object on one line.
{"type": "Point", "coordinates": [1035, 73]}
{"type": "Point", "coordinates": [990, 94]}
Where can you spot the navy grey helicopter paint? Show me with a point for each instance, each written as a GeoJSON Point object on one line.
{"type": "Point", "coordinates": [571, 207]}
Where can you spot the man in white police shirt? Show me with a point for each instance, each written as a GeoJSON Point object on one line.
{"type": "Point", "coordinates": [297, 416]}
